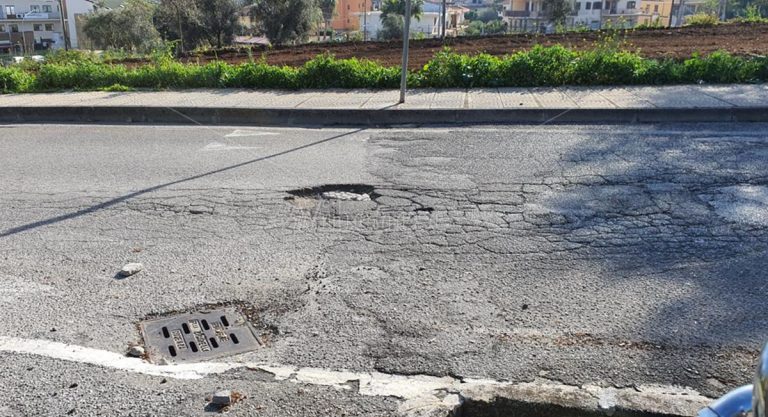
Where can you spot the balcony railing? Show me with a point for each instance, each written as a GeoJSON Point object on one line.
{"type": "Point", "coordinates": [31, 16]}
{"type": "Point", "coordinates": [517, 13]}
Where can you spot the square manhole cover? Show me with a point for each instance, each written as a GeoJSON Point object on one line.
{"type": "Point", "coordinates": [198, 336]}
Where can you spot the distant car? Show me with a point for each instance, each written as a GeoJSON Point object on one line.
{"type": "Point", "coordinates": [36, 58]}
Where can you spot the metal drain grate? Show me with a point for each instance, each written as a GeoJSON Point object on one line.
{"type": "Point", "coordinates": [192, 337]}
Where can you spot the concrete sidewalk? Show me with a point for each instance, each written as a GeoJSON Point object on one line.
{"type": "Point", "coordinates": [720, 103]}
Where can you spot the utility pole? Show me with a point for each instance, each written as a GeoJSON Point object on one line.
{"type": "Point", "coordinates": [671, 10]}
{"type": "Point", "coordinates": [723, 5]}
{"type": "Point", "coordinates": [406, 37]}
{"type": "Point", "coordinates": [442, 35]}
{"type": "Point", "coordinates": [365, 20]}
{"type": "Point", "coordinates": [65, 31]}
{"type": "Point", "coordinates": [680, 13]}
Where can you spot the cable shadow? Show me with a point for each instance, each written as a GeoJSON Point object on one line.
{"type": "Point", "coordinates": [120, 199]}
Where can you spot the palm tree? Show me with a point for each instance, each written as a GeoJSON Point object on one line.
{"type": "Point", "coordinates": [393, 16]}
{"type": "Point", "coordinates": [397, 7]}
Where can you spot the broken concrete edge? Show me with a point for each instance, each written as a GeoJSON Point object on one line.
{"type": "Point", "coordinates": [421, 395]}
{"type": "Point", "coordinates": [546, 398]}
{"type": "Point", "coordinates": [371, 117]}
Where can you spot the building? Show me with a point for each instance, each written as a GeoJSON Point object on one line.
{"type": "Point", "coordinates": [623, 14]}
{"type": "Point", "coordinates": [524, 16]}
{"type": "Point", "coordinates": [428, 26]}
{"type": "Point", "coordinates": [347, 17]}
{"type": "Point", "coordinates": [473, 4]}
{"type": "Point", "coordinates": [30, 25]}
{"type": "Point", "coordinates": [657, 13]}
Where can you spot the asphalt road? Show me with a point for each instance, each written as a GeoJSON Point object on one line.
{"type": "Point", "coordinates": [618, 255]}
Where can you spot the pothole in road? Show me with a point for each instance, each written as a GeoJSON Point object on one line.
{"type": "Point", "coordinates": [508, 407]}
{"type": "Point", "coordinates": [198, 336]}
{"type": "Point", "coordinates": [307, 197]}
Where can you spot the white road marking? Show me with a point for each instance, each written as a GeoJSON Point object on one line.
{"type": "Point", "coordinates": [242, 132]}
{"type": "Point", "coordinates": [218, 146]}
{"type": "Point", "coordinates": [370, 383]}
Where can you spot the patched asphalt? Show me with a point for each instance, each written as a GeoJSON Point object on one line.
{"type": "Point", "coordinates": [616, 255]}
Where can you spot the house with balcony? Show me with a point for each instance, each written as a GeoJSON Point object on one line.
{"type": "Point", "coordinates": [657, 13]}
{"type": "Point", "coordinates": [428, 26]}
{"type": "Point", "coordinates": [524, 16]}
{"type": "Point", "coordinates": [32, 25]}
{"type": "Point", "coordinates": [623, 14]}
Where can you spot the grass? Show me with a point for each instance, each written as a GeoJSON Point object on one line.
{"type": "Point", "coordinates": [606, 64]}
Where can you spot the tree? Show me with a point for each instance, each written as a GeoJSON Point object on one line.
{"type": "Point", "coordinates": [393, 16]}
{"type": "Point", "coordinates": [220, 20]}
{"type": "Point", "coordinates": [488, 15]}
{"type": "Point", "coordinates": [556, 11]}
{"type": "Point", "coordinates": [328, 7]}
{"type": "Point", "coordinates": [198, 22]}
{"type": "Point", "coordinates": [180, 20]}
{"type": "Point", "coordinates": [284, 21]}
{"type": "Point", "coordinates": [128, 27]}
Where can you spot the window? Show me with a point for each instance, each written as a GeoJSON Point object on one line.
{"type": "Point", "coordinates": [2, 28]}
{"type": "Point", "coordinates": [630, 5]}
{"type": "Point", "coordinates": [597, 5]}
{"type": "Point", "coordinates": [588, 5]}
{"type": "Point", "coordinates": [10, 10]}
{"type": "Point", "coordinates": [15, 28]}
{"type": "Point", "coordinates": [34, 8]}
{"type": "Point", "coordinates": [578, 6]}
{"type": "Point", "coordinates": [656, 8]}
{"type": "Point", "coordinates": [47, 8]}
{"type": "Point", "coordinates": [607, 5]}
{"type": "Point", "coordinates": [49, 27]}
{"type": "Point", "coordinates": [37, 27]}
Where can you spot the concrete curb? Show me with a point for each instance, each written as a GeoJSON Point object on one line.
{"type": "Point", "coordinates": [371, 117]}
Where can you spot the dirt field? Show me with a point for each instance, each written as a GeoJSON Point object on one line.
{"type": "Point", "coordinates": [739, 39]}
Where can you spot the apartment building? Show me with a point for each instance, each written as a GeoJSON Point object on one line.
{"type": "Point", "coordinates": [348, 14]}
{"type": "Point", "coordinates": [31, 25]}
{"type": "Point", "coordinates": [657, 12]}
{"type": "Point", "coordinates": [430, 23]}
{"type": "Point", "coordinates": [526, 15]}
{"type": "Point", "coordinates": [623, 14]}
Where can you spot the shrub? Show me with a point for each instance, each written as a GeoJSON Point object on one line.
{"type": "Point", "coordinates": [606, 64]}
{"type": "Point", "coordinates": [324, 71]}
{"type": "Point", "coordinates": [15, 80]}
{"type": "Point", "coordinates": [717, 67]}
{"type": "Point", "coordinates": [86, 75]}
{"type": "Point", "coordinates": [701, 19]}
{"type": "Point", "coordinates": [260, 75]}
{"type": "Point", "coordinates": [540, 66]}
{"type": "Point", "coordinates": [448, 69]}
{"type": "Point", "coordinates": [602, 67]}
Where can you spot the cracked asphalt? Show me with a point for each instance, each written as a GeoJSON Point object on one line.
{"type": "Point", "coordinates": [616, 255]}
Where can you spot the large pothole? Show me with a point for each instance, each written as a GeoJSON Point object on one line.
{"type": "Point", "coordinates": [309, 198]}
{"type": "Point", "coordinates": [341, 192]}
{"type": "Point", "coordinates": [503, 407]}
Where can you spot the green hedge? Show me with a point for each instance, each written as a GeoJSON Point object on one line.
{"type": "Point", "coordinates": [541, 66]}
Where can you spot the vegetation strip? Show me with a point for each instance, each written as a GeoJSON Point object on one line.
{"type": "Point", "coordinates": [606, 64]}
